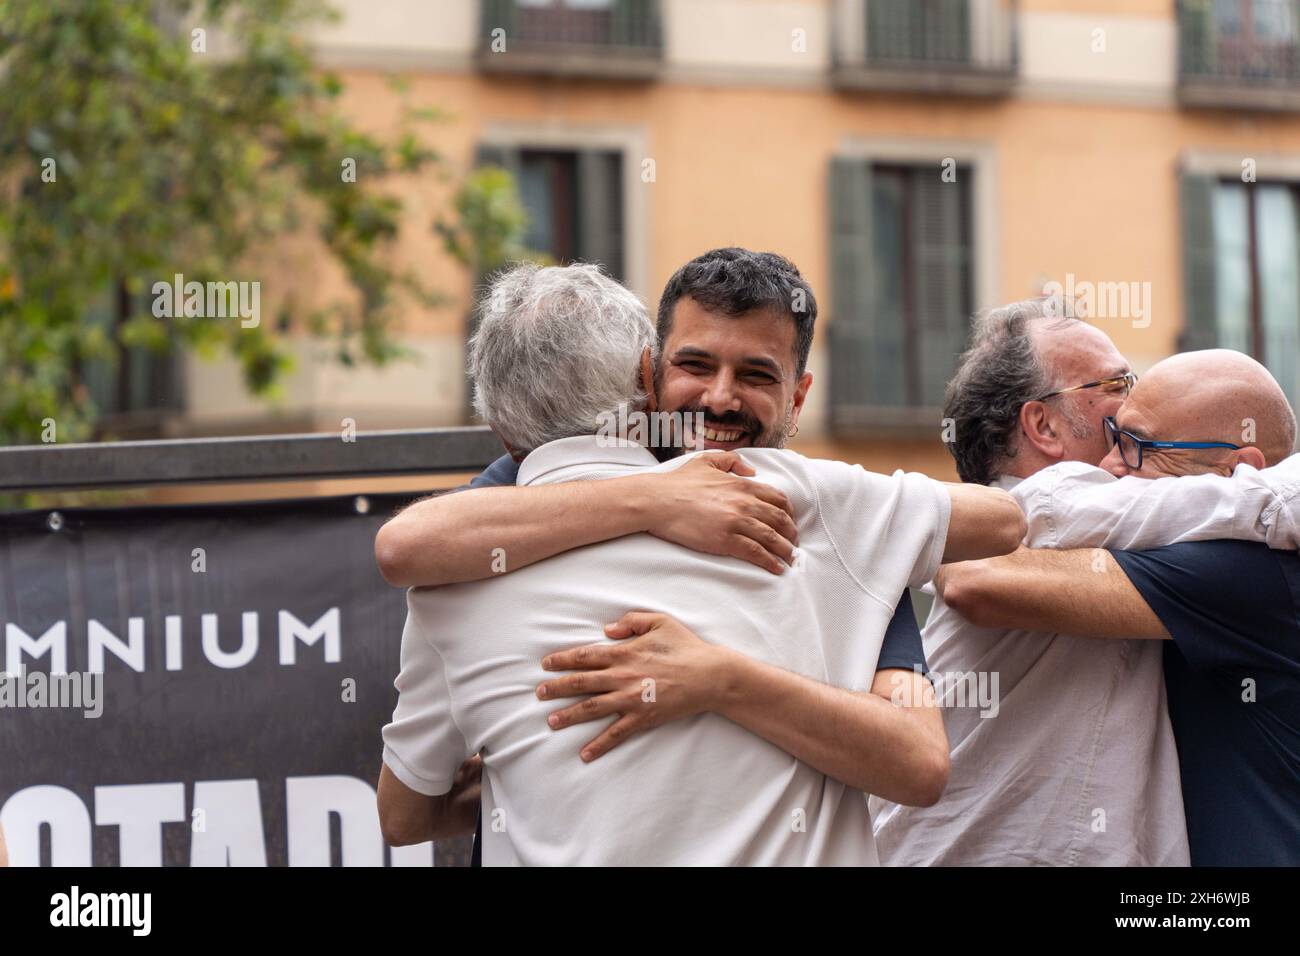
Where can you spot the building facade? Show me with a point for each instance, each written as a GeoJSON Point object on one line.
{"type": "Point", "coordinates": [918, 159]}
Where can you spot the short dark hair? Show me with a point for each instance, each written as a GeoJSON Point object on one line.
{"type": "Point", "coordinates": [735, 281]}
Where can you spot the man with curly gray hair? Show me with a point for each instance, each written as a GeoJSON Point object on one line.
{"type": "Point", "coordinates": [513, 354]}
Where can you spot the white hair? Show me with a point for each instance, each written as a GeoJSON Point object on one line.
{"type": "Point", "coordinates": [558, 349]}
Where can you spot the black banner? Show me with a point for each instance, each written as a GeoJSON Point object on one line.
{"type": "Point", "coordinates": [228, 670]}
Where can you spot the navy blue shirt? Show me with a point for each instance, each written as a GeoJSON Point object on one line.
{"type": "Point", "coordinates": [503, 471]}
{"type": "Point", "coordinates": [1232, 677]}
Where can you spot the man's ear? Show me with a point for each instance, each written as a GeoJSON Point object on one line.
{"type": "Point", "coordinates": [509, 451]}
{"type": "Point", "coordinates": [1250, 455]}
{"type": "Point", "coordinates": [800, 396]}
{"type": "Point", "coordinates": [648, 381]}
{"type": "Point", "coordinates": [1036, 427]}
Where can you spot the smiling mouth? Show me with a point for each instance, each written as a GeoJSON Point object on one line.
{"type": "Point", "coordinates": [715, 434]}
{"type": "Point", "coordinates": [722, 434]}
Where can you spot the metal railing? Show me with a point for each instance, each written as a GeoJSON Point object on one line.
{"type": "Point", "coordinates": [1239, 53]}
{"type": "Point", "coordinates": [1251, 41]}
{"type": "Point", "coordinates": [949, 46]}
{"type": "Point", "coordinates": [258, 458]}
{"type": "Point", "coordinates": [623, 38]}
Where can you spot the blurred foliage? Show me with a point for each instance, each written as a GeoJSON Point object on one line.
{"type": "Point", "coordinates": [490, 223]}
{"type": "Point", "coordinates": [166, 160]}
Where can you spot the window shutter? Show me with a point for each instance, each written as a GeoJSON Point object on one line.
{"type": "Point", "coordinates": [635, 23]}
{"type": "Point", "coordinates": [600, 209]}
{"type": "Point", "coordinates": [947, 31]}
{"type": "Point", "coordinates": [894, 29]}
{"type": "Point", "coordinates": [1196, 37]}
{"type": "Point", "coordinates": [1200, 286]}
{"type": "Point", "coordinates": [503, 14]}
{"type": "Point", "coordinates": [941, 277]}
{"type": "Point", "coordinates": [861, 351]}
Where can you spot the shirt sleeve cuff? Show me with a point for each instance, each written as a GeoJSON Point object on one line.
{"type": "Point", "coordinates": [429, 786]}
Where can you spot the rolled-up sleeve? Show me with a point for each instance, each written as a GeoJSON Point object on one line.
{"type": "Point", "coordinates": [1075, 505]}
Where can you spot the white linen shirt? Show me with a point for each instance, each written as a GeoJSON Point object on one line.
{"type": "Point", "coordinates": [1078, 766]}
{"type": "Point", "coordinates": [696, 791]}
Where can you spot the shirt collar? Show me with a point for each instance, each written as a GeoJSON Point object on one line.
{"type": "Point", "coordinates": [563, 453]}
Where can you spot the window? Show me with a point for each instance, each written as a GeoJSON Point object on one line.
{"type": "Point", "coordinates": [574, 199]}
{"type": "Point", "coordinates": [919, 31]}
{"type": "Point", "coordinates": [1243, 262]}
{"type": "Point", "coordinates": [565, 21]}
{"type": "Point", "coordinates": [134, 393]}
{"type": "Point", "coordinates": [946, 47]}
{"type": "Point", "coordinates": [1243, 39]}
{"type": "Point", "coordinates": [903, 288]}
{"type": "Point", "coordinates": [538, 24]}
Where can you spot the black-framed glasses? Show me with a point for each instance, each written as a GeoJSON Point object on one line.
{"type": "Point", "coordinates": [1131, 447]}
{"type": "Point", "coordinates": [1119, 383]}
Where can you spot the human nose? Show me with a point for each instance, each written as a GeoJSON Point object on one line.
{"type": "Point", "coordinates": [720, 397]}
{"type": "Point", "coordinates": [1114, 463]}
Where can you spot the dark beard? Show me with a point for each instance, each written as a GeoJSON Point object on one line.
{"type": "Point", "coordinates": [773, 437]}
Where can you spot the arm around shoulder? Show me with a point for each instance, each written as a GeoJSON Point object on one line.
{"type": "Point", "coordinates": [984, 523]}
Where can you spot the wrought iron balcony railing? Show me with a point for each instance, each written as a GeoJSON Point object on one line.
{"type": "Point", "coordinates": [621, 39]}
{"type": "Point", "coordinates": [1239, 53]}
{"type": "Point", "coordinates": [961, 47]}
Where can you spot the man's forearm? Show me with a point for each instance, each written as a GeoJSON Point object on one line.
{"type": "Point", "coordinates": [1081, 593]}
{"type": "Point", "coordinates": [407, 817]}
{"type": "Point", "coordinates": [858, 738]}
{"type": "Point", "coordinates": [474, 534]}
{"type": "Point", "coordinates": [983, 522]}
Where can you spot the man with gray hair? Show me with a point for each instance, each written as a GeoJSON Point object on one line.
{"type": "Point", "coordinates": [703, 789]}
{"type": "Point", "coordinates": [1056, 759]}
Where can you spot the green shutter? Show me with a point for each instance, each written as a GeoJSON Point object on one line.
{"type": "Point", "coordinates": [600, 209]}
{"type": "Point", "coordinates": [1200, 285]}
{"type": "Point", "coordinates": [894, 29]}
{"type": "Point", "coordinates": [850, 208]}
{"type": "Point", "coordinates": [1196, 36]}
{"type": "Point", "coordinates": [498, 13]}
{"type": "Point", "coordinates": [885, 320]}
{"type": "Point", "coordinates": [919, 30]}
{"type": "Point", "coordinates": [947, 30]}
{"type": "Point", "coordinates": [864, 337]}
{"type": "Point", "coordinates": [941, 276]}
{"type": "Point", "coordinates": [100, 375]}
{"type": "Point", "coordinates": [635, 23]}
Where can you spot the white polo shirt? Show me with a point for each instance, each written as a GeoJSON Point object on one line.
{"type": "Point", "coordinates": [695, 791]}
{"type": "Point", "coordinates": [1077, 766]}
